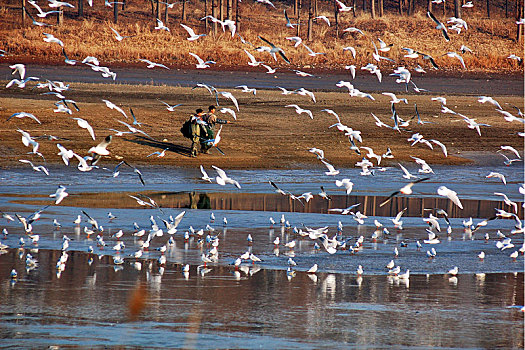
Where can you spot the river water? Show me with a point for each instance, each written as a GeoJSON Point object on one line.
{"type": "Point", "coordinates": [95, 302]}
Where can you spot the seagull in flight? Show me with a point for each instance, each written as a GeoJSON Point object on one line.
{"type": "Point", "coordinates": [205, 176]}
{"type": "Point", "coordinates": [351, 49]}
{"type": "Point", "coordinates": [343, 7]}
{"type": "Point", "coordinates": [300, 110]}
{"type": "Point", "coordinates": [274, 50]}
{"type": "Point", "coordinates": [191, 33]}
{"type": "Point", "coordinates": [35, 168]}
{"type": "Point", "coordinates": [297, 40]}
{"type": "Point", "coordinates": [499, 176]}
{"type": "Point", "coordinates": [407, 189]}
{"type": "Point", "coordinates": [64, 153]}
{"type": "Point", "coordinates": [245, 88]}
{"type": "Point", "coordinates": [24, 115]}
{"type": "Point", "coordinates": [452, 195]}
{"type": "Point", "coordinates": [269, 69]}
{"type": "Point", "coordinates": [50, 38]}
{"type": "Point", "coordinates": [511, 149]}
{"type": "Point", "coordinates": [111, 105]}
{"type": "Point", "coordinates": [20, 69]}
{"type": "Point", "coordinates": [85, 125]}
{"type": "Point", "coordinates": [484, 99]}
{"type": "Point", "coordinates": [230, 96]}
{"type": "Point", "coordinates": [160, 26]}
{"type": "Point", "coordinates": [301, 73]}
{"type": "Point", "coordinates": [201, 64]}
{"type": "Point", "coordinates": [159, 154]}
{"type": "Point", "coordinates": [224, 179]}
{"type": "Point", "coordinates": [266, 2]}
{"type": "Point", "coordinates": [152, 64]}
{"type": "Point", "coordinates": [288, 23]}
{"type": "Point", "coordinates": [171, 108]}
{"type": "Point", "coordinates": [394, 98]}
{"type": "Point", "coordinates": [439, 25]}
{"type": "Point", "coordinates": [331, 169]}
{"type": "Point", "coordinates": [253, 62]}
{"type": "Point", "coordinates": [324, 18]}
{"type": "Point", "coordinates": [456, 55]}
{"type": "Point", "coordinates": [312, 53]}
{"type": "Point", "coordinates": [120, 37]}
{"type": "Point", "coordinates": [406, 174]}
{"type": "Point", "coordinates": [101, 148]}
{"type": "Point", "coordinates": [230, 111]}
{"type": "Point", "coordinates": [508, 161]}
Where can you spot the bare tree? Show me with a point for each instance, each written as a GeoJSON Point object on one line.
{"type": "Point", "coordinates": [372, 9]}
{"type": "Point", "coordinates": [298, 18]}
{"type": "Point", "coordinates": [60, 16]}
{"type": "Point", "coordinates": [237, 15]}
{"type": "Point", "coordinates": [457, 8]}
{"type": "Point", "coordinates": [80, 8]}
{"type": "Point", "coordinates": [24, 11]}
{"type": "Point", "coordinates": [183, 14]}
{"type": "Point", "coordinates": [115, 12]}
{"type": "Point", "coordinates": [336, 17]}
{"type": "Point", "coordinates": [214, 14]}
{"type": "Point", "coordinates": [380, 8]}
{"type": "Point", "coordinates": [519, 16]}
{"type": "Point", "coordinates": [206, 15]}
{"type": "Point", "coordinates": [488, 8]}
{"type": "Point", "coordinates": [310, 20]}
{"type": "Point", "coordinates": [152, 7]}
{"type": "Point", "coordinates": [229, 9]}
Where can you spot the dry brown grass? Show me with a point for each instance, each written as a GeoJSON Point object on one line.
{"type": "Point", "coordinates": [491, 39]}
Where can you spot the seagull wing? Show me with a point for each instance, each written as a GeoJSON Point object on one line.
{"type": "Point", "coordinates": [200, 60]}
{"type": "Point", "coordinates": [188, 29]}
{"type": "Point", "coordinates": [222, 173]}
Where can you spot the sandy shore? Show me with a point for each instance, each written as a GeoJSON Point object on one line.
{"type": "Point", "coordinates": [265, 135]}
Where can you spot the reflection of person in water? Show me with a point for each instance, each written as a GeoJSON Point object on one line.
{"type": "Point", "coordinates": [202, 203]}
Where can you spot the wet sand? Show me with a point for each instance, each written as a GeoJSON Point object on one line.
{"type": "Point", "coordinates": [436, 82]}
{"type": "Point", "coordinates": [265, 135]}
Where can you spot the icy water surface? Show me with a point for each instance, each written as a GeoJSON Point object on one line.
{"type": "Point", "coordinates": [95, 302]}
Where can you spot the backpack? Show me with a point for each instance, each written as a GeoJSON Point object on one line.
{"type": "Point", "coordinates": [186, 129]}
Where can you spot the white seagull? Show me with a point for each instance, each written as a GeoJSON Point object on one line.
{"type": "Point", "coordinates": [60, 194]}
{"type": "Point", "coordinates": [191, 33]}
{"type": "Point", "coordinates": [452, 195]}
{"type": "Point", "coordinates": [223, 179]}
{"type": "Point", "coordinates": [152, 64]}
{"type": "Point", "coordinates": [111, 105]}
{"type": "Point", "coordinates": [300, 110]}
{"type": "Point", "coordinates": [23, 115]}
{"type": "Point", "coordinates": [160, 26]}
{"type": "Point", "coordinates": [201, 64]}
{"type": "Point", "coordinates": [85, 125]}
